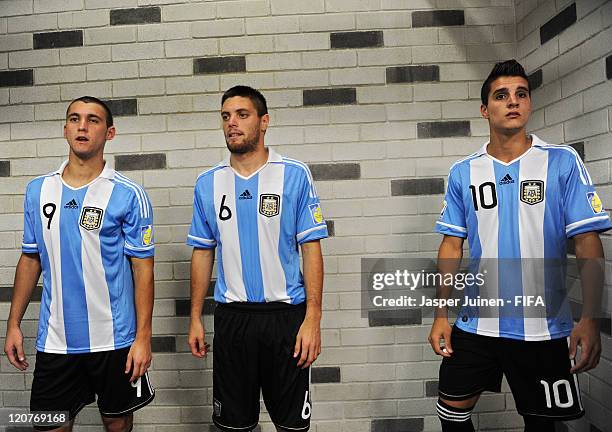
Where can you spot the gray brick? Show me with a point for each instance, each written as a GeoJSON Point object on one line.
{"type": "Point", "coordinates": [183, 307]}
{"type": "Point", "coordinates": [163, 344]}
{"type": "Point", "coordinates": [407, 74]}
{"type": "Point", "coordinates": [140, 15]}
{"type": "Point", "coordinates": [431, 388]}
{"type": "Point", "coordinates": [336, 171]}
{"type": "Point", "coordinates": [438, 18]}
{"type": "Point", "coordinates": [61, 39]}
{"type": "Point", "coordinates": [398, 425]}
{"type": "Point", "coordinates": [331, 96]}
{"type": "Point", "coordinates": [17, 78]}
{"type": "Point", "coordinates": [535, 80]}
{"type": "Point", "coordinates": [215, 65]}
{"type": "Point", "coordinates": [325, 375]}
{"type": "Point", "coordinates": [360, 39]}
{"type": "Point", "coordinates": [609, 67]}
{"type": "Point", "coordinates": [5, 168]}
{"type": "Point", "coordinates": [443, 129]}
{"type": "Point", "coordinates": [428, 186]}
{"type": "Point", "coordinates": [123, 107]}
{"type": "Point", "coordinates": [146, 161]}
{"type": "Point", "coordinates": [331, 228]}
{"type": "Point", "coordinates": [558, 23]}
{"type": "Point", "coordinates": [579, 147]}
{"type": "Point", "coordinates": [7, 292]}
{"type": "Point", "coordinates": [380, 318]}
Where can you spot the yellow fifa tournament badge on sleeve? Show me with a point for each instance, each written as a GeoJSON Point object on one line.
{"type": "Point", "coordinates": [147, 235]}
{"type": "Point", "coordinates": [595, 202]}
{"type": "Point", "coordinates": [316, 213]}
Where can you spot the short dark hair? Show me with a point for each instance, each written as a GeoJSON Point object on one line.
{"type": "Point", "coordinates": [248, 92]}
{"type": "Point", "coordinates": [505, 68]}
{"type": "Point", "coordinates": [91, 99]}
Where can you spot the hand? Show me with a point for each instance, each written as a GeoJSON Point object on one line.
{"type": "Point", "coordinates": [199, 347]}
{"type": "Point", "coordinates": [13, 347]}
{"type": "Point", "coordinates": [586, 334]}
{"type": "Point", "coordinates": [308, 342]}
{"type": "Point", "coordinates": [441, 329]}
{"type": "Point", "coordinates": [139, 358]}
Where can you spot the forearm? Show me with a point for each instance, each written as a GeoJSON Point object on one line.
{"type": "Point", "coordinates": [144, 294]}
{"type": "Point", "coordinates": [201, 272]}
{"type": "Point", "coordinates": [449, 260]}
{"type": "Point", "coordinates": [313, 278]}
{"type": "Point", "coordinates": [27, 274]}
{"type": "Point", "coordinates": [590, 258]}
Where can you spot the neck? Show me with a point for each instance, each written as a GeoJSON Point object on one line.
{"type": "Point", "coordinates": [508, 146]}
{"type": "Point", "coordinates": [247, 163]}
{"type": "Point", "coordinates": [80, 172]}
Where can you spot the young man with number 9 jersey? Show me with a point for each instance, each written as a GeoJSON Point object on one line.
{"type": "Point", "coordinates": [89, 230]}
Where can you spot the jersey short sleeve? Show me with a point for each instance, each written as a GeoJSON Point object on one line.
{"type": "Point", "coordinates": [583, 209]}
{"type": "Point", "coordinates": [137, 226]}
{"type": "Point", "coordinates": [29, 244]}
{"type": "Point", "coordinates": [200, 235]}
{"type": "Point", "coordinates": [310, 222]}
{"type": "Point", "coordinates": [452, 217]}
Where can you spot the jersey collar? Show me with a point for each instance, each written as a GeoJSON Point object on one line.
{"type": "Point", "coordinates": [107, 172]}
{"type": "Point", "coordinates": [535, 142]}
{"type": "Point", "coordinates": [272, 157]}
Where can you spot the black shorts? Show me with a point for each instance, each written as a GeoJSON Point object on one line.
{"type": "Point", "coordinates": [253, 349]}
{"type": "Point", "coordinates": [68, 382]}
{"type": "Point", "coordinates": [538, 373]}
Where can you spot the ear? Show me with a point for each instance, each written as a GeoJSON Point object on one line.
{"type": "Point", "coordinates": [483, 112]}
{"type": "Point", "coordinates": [265, 122]}
{"type": "Point", "coordinates": [110, 133]}
{"type": "Point", "coordinates": [65, 132]}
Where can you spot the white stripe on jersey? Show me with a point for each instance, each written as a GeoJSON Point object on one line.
{"type": "Point", "coordinates": [51, 190]}
{"type": "Point", "coordinates": [313, 191]}
{"type": "Point", "coordinates": [97, 296]}
{"type": "Point", "coordinates": [271, 180]}
{"type": "Point", "coordinates": [224, 186]}
{"type": "Point", "coordinates": [531, 239]}
{"type": "Point", "coordinates": [575, 225]}
{"type": "Point", "coordinates": [456, 227]}
{"type": "Point", "coordinates": [482, 170]}
{"type": "Point", "coordinates": [140, 195]}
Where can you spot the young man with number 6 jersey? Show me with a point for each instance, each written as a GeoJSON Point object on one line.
{"type": "Point", "coordinates": [257, 209]}
{"type": "Point", "coordinates": [89, 230]}
{"type": "Point", "coordinates": [517, 200]}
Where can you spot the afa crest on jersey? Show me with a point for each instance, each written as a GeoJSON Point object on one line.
{"type": "Point", "coordinates": [595, 202]}
{"type": "Point", "coordinates": [146, 234]}
{"type": "Point", "coordinates": [316, 213]}
{"type": "Point", "coordinates": [532, 191]}
{"type": "Point", "coordinates": [91, 218]}
{"type": "Point", "coordinates": [269, 205]}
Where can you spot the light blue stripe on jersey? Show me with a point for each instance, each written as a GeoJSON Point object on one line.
{"type": "Point", "coordinates": [208, 199]}
{"type": "Point", "coordinates": [45, 301]}
{"type": "Point", "coordinates": [289, 259]}
{"type": "Point", "coordinates": [249, 238]}
{"type": "Point", "coordinates": [510, 277]}
{"type": "Point", "coordinates": [73, 287]}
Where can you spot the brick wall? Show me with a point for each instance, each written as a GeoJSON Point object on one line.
{"type": "Point", "coordinates": [380, 97]}
{"type": "Point", "coordinates": [567, 47]}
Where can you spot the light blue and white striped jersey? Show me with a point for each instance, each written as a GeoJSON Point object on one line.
{"type": "Point", "coordinates": [256, 224]}
{"type": "Point", "coordinates": [523, 210]}
{"type": "Point", "coordinates": [84, 237]}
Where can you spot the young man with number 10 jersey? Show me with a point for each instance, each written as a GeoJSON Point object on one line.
{"type": "Point", "coordinates": [517, 200]}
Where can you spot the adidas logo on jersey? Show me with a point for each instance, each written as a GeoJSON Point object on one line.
{"type": "Point", "coordinates": [245, 195]}
{"type": "Point", "coordinates": [506, 180]}
{"type": "Point", "coordinates": [72, 204]}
